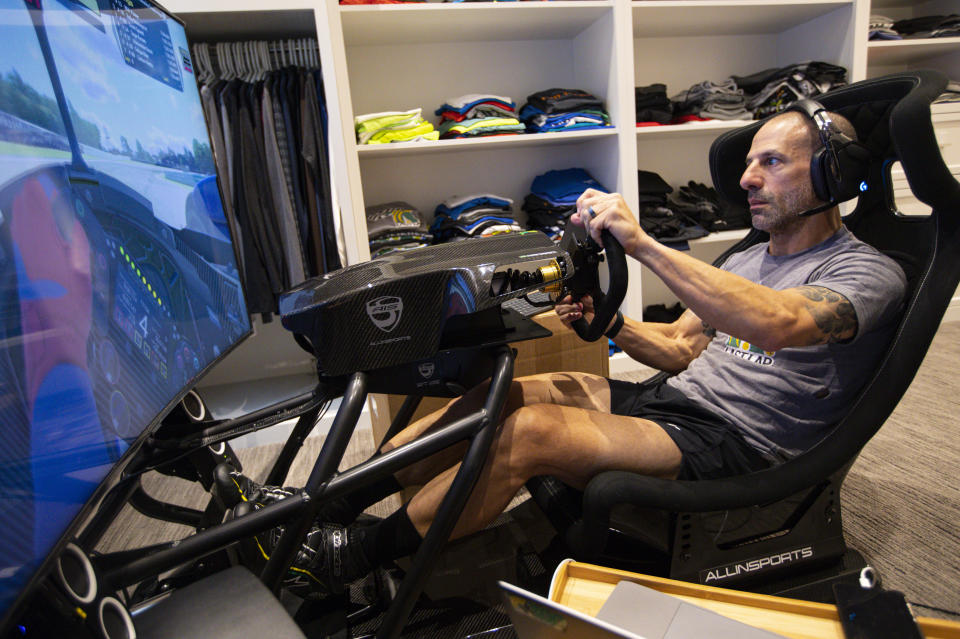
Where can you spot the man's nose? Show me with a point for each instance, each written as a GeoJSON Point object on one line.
{"type": "Point", "coordinates": [750, 178]}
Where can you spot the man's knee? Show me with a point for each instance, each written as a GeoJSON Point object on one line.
{"type": "Point", "coordinates": [528, 429]}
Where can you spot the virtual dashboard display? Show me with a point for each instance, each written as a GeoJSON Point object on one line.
{"type": "Point", "coordinates": [118, 283]}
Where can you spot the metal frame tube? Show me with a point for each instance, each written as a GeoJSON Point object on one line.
{"type": "Point", "coordinates": [402, 456]}
{"type": "Point", "coordinates": [326, 465]}
{"type": "Point", "coordinates": [453, 502]}
{"type": "Point", "coordinates": [208, 541]}
{"type": "Point", "coordinates": [281, 467]}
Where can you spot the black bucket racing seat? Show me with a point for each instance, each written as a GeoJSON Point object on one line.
{"type": "Point", "coordinates": [779, 530]}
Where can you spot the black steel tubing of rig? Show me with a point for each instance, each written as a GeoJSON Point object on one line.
{"type": "Point", "coordinates": [388, 463]}
{"type": "Point", "coordinates": [107, 511]}
{"type": "Point", "coordinates": [208, 541]}
{"type": "Point", "coordinates": [146, 505]}
{"type": "Point", "coordinates": [281, 467]}
{"type": "Point", "coordinates": [453, 502]}
{"type": "Point", "coordinates": [326, 465]}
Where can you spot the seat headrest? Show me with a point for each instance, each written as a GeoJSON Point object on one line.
{"type": "Point", "coordinates": [891, 115]}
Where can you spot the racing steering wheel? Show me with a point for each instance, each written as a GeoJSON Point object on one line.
{"type": "Point", "coordinates": [586, 256]}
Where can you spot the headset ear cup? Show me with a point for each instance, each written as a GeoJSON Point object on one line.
{"type": "Point", "coordinates": [820, 175]}
{"type": "Point", "coordinates": [854, 159]}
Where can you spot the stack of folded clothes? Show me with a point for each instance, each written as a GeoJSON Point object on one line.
{"type": "Point", "coordinates": [553, 199]}
{"type": "Point", "coordinates": [772, 90]}
{"type": "Point", "coordinates": [709, 100]}
{"type": "Point", "coordinates": [393, 126]}
{"type": "Point", "coordinates": [563, 110]}
{"type": "Point", "coordinates": [703, 205]}
{"type": "Point", "coordinates": [653, 105]}
{"type": "Point", "coordinates": [935, 26]}
{"type": "Point", "coordinates": [462, 217]}
{"type": "Point", "coordinates": [881, 28]}
{"type": "Point", "coordinates": [477, 114]}
{"type": "Point", "coordinates": [657, 217]}
{"type": "Point", "coordinates": [395, 226]}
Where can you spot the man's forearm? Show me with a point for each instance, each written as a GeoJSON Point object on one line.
{"type": "Point", "coordinates": [728, 302]}
{"type": "Point", "coordinates": [658, 345]}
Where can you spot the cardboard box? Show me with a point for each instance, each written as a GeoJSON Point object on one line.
{"type": "Point", "coordinates": [563, 351]}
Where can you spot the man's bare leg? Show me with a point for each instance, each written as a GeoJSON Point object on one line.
{"type": "Point", "coordinates": [571, 443]}
{"type": "Point", "coordinates": [570, 389]}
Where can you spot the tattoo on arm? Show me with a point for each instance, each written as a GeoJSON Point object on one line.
{"type": "Point", "coordinates": [708, 330]}
{"type": "Point", "coordinates": [832, 312]}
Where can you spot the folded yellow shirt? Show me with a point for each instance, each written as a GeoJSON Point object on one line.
{"type": "Point", "coordinates": [424, 129]}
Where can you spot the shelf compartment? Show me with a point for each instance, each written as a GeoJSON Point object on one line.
{"type": "Point", "coordinates": [491, 142]}
{"type": "Point", "coordinates": [671, 18]}
{"type": "Point", "coordinates": [368, 25]}
{"type": "Point", "coordinates": [711, 128]}
{"type": "Point", "coordinates": [225, 20]}
{"type": "Point", "coordinates": [886, 52]}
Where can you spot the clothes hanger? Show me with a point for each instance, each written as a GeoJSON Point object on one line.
{"type": "Point", "coordinates": [266, 62]}
{"type": "Point", "coordinates": [221, 49]}
{"type": "Point", "coordinates": [208, 71]}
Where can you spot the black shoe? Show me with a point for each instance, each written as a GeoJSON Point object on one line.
{"type": "Point", "coordinates": [328, 560]}
{"type": "Point", "coordinates": [234, 488]}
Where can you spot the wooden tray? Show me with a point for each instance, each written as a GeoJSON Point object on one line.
{"type": "Point", "coordinates": [585, 587]}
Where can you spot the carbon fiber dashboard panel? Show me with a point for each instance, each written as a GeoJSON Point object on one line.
{"type": "Point", "coordinates": [394, 309]}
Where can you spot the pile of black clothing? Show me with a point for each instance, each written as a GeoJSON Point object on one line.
{"type": "Point", "coordinates": [693, 211]}
{"type": "Point", "coordinates": [772, 90]}
{"type": "Point", "coordinates": [662, 313]}
{"type": "Point", "coordinates": [937, 26]}
{"type": "Point", "coordinates": [657, 217]}
{"type": "Point", "coordinates": [703, 205]}
{"type": "Point", "coordinates": [653, 105]}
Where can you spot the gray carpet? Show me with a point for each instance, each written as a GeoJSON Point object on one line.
{"type": "Point", "coordinates": [901, 500]}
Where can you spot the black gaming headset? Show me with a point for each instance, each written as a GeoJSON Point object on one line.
{"type": "Point", "coordinates": [839, 168]}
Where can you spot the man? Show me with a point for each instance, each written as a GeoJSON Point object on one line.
{"type": "Point", "coordinates": [769, 354]}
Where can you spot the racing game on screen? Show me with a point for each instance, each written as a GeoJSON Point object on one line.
{"type": "Point", "coordinates": [118, 275]}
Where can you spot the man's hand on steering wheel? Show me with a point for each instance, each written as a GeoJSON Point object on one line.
{"type": "Point", "coordinates": [610, 211]}
{"type": "Point", "coordinates": [569, 311]}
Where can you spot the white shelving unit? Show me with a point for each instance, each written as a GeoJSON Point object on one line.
{"type": "Point", "coordinates": [398, 57]}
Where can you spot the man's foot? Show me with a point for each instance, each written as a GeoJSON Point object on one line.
{"type": "Point", "coordinates": [233, 488]}
{"type": "Point", "coordinates": [328, 560]}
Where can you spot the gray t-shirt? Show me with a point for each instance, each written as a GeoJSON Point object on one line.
{"type": "Point", "coordinates": [786, 401]}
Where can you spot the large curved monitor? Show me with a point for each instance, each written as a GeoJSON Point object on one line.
{"type": "Point", "coordinates": [118, 279]}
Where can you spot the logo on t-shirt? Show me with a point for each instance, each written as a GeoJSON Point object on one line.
{"type": "Point", "coordinates": [746, 350]}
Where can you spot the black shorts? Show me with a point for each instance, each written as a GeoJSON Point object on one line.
{"type": "Point", "coordinates": [712, 447]}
